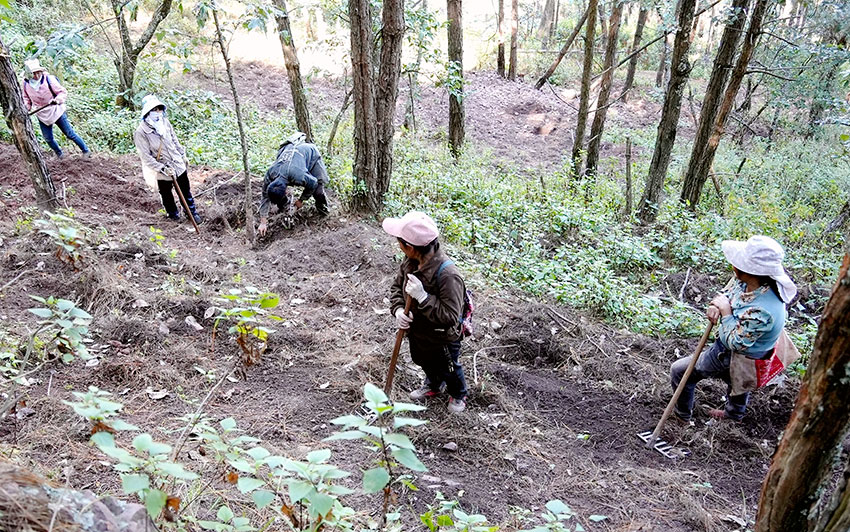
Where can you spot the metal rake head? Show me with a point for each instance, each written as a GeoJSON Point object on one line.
{"type": "Point", "coordinates": [663, 447]}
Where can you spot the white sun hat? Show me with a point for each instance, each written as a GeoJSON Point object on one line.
{"type": "Point", "coordinates": [31, 66]}
{"type": "Point", "coordinates": [149, 103]}
{"type": "Point", "coordinates": [761, 255]}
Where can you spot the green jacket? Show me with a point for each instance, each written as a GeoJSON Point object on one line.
{"type": "Point", "coordinates": [436, 321]}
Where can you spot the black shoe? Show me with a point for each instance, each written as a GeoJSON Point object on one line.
{"type": "Point", "coordinates": [197, 218]}
{"type": "Point", "coordinates": [174, 217]}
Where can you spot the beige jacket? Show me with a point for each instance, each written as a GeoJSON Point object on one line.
{"type": "Point", "coordinates": [158, 152]}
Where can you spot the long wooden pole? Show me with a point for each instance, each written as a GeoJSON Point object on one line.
{"type": "Point", "coordinates": [399, 336]}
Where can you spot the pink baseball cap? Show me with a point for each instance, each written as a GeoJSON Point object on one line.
{"type": "Point", "coordinates": [415, 228]}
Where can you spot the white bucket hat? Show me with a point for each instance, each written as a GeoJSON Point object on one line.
{"type": "Point", "coordinates": [149, 103]}
{"type": "Point", "coordinates": [761, 255]}
{"type": "Point", "coordinates": [31, 66]}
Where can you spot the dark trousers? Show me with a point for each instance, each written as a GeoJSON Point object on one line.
{"type": "Point", "coordinates": [165, 192]}
{"type": "Point", "coordinates": [714, 362]}
{"type": "Point", "coordinates": [66, 129]}
{"type": "Point", "coordinates": [321, 199]}
{"type": "Point", "coordinates": [440, 363]}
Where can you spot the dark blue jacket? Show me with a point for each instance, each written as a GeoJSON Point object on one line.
{"type": "Point", "coordinates": [300, 166]}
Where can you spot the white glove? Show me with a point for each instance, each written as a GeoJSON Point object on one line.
{"type": "Point", "coordinates": [402, 320]}
{"type": "Point", "coordinates": [415, 289]}
{"type": "Point", "coordinates": [168, 171]}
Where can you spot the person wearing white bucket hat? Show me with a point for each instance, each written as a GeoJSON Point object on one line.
{"type": "Point", "coordinates": [163, 157]}
{"type": "Point", "coordinates": [751, 313]}
{"type": "Point", "coordinates": [44, 95]}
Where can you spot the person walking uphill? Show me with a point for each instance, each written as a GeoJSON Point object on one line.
{"type": "Point", "coordinates": [44, 95]}
{"type": "Point", "coordinates": [434, 324]}
{"type": "Point", "coordinates": [300, 164]}
{"type": "Point", "coordinates": [751, 346]}
{"type": "Point", "coordinates": [163, 158]}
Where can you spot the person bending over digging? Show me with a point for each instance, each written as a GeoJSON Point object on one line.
{"type": "Point", "coordinates": [297, 163]}
{"type": "Point", "coordinates": [163, 158]}
{"type": "Point", "coordinates": [751, 314]}
{"type": "Point", "coordinates": [44, 95]}
{"type": "Point", "coordinates": [434, 323]}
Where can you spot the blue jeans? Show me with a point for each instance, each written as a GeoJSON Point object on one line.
{"type": "Point", "coordinates": [67, 130]}
{"type": "Point", "coordinates": [714, 362]}
{"type": "Point", "coordinates": [440, 363]}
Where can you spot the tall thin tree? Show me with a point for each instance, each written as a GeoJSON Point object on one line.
{"type": "Point", "coordinates": [630, 73]}
{"type": "Point", "coordinates": [293, 70]}
{"type": "Point", "coordinates": [679, 72]}
{"type": "Point", "coordinates": [500, 51]}
{"type": "Point", "coordinates": [584, 97]}
{"type": "Point", "coordinates": [20, 125]}
{"type": "Point", "coordinates": [454, 10]}
{"type": "Point", "coordinates": [514, 39]}
{"type": "Point", "coordinates": [386, 94]}
{"type": "Point", "coordinates": [564, 49]}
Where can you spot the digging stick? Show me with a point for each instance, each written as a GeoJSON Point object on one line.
{"type": "Point", "coordinates": [40, 109]}
{"type": "Point", "coordinates": [399, 336]}
{"type": "Point", "coordinates": [680, 387]}
{"type": "Point", "coordinates": [189, 214]}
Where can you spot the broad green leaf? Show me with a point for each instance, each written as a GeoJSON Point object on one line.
{"type": "Point", "coordinates": [262, 498]}
{"type": "Point", "coordinates": [346, 435]}
{"type": "Point", "coordinates": [407, 407]}
{"type": "Point", "coordinates": [224, 514]}
{"type": "Point", "coordinates": [258, 453]}
{"type": "Point", "coordinates": [144, 442]}
{"type": "Point", "coordinates": [134, 483]}
{"type": "Point", "coordinates": [176, 470]}
{"type": "Point", "coordinates": [241, 465]}
{"type": "Point", "coordinates": [298, 489]}
{"type": "Point", "coordinates": [349, 420]}
{"type": "Point", "coordinates": [407, 458]}
{"type": "Point", "coordinates": [597, 518]}
{"type": "Point", "coordinates": [321, 504]}
{"type": "Point", "coordinates": [248, 484]}
{"type": "Point", "coordinates": [103, 439]}
{"type": "Point", "coordinates": [42, 312]}
{"type": "Point", "coordinates": [154, 502]}
{"type": "Point", "coordinates": [318, 457]}
{"type": "Point", "coordinates": [399, 440]}
{"type": "Point", "coordinates": [557, 507]}
{"type": "Point", "coordinates": [400, 421]}
{"type": "Point", "coordinates": [374, 394]}
{"type": "Point", "coordinates": [374, 480]}
{"type": "Point", "coordinates": [270, 301]}
{"type": "Point", "coordinates": [445, 520]}
{"type": "Point", "coordinates": [120, 424]}
{"type": "Point", "coordinates": [228, 423]}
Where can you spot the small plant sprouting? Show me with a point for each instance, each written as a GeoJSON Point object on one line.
{"type": "Point", "coordinates": [68, 324]}
{"type": "Point", "coordinates": [250, 308]}
{"type": "Point", "coordinates": [156, 237]}
{"type": "Point", "coordinates": [68, 235]}
{"type": "Point", "coordinates": [95, 406]}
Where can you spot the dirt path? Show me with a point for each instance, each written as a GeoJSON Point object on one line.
{"type": "Point", "coordinates": [554, 405]}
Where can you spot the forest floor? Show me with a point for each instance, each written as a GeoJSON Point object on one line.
{"type": "Point", "coordinates": [556, 398]}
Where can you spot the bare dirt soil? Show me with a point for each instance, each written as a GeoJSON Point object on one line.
{"type": "Point", "coordinates": [556, 398]}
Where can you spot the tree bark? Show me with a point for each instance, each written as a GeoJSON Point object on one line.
{"type": "Point", "coordinates": [803, 463]}
{"type": "Point", "coordinates": [714, 92]}
{"type": "Point", "coordinates": [20, 125]}
{"type": "Point", "coordinates": [562, 53]}
{"type": "Point", "coordinates": [392, 39]}
{"type": "Point", "coordinates": [365, 119]}
{"type": "Point", "coordinates": [125, 63]}
{"type": "Point", "coordinates": [818, 107]}
{"type": "Point", "coordinates": [454, 11]}
{"type": "Point", "coordinates": [500, 54]}
{"type": "Point", "coordinates": [598, 125]}
{"type": "Point", "coordinates": [679, 72]}
{"type": "Point", "coordinates": [346, 102]}
{"type": "Point", "coordinates": [249, 199]}
{"type": "Point", "coordinates": [409, 112]}
{"type": "Point", "coordinates": [581, 124]}
{"type": "Point", "coordinates": [514, 39]}
{"type": "Point", "coordinates": [692, 188]}
{"type": "Point", "coordinates": [630, 73]}
{"type": "Point", "coordinates": [662, 65]}
{"type": "Point", "coordinates": [547, 20]}
{"type": "Point", "coordinates": [293, 71]}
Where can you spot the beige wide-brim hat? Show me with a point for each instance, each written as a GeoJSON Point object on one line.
{"type": "Point", "coordinates": [31, 66]}
{"type": "Point", "coordinates": [761, 255]}
{"type": "Point", "coordinates": [149, 103]}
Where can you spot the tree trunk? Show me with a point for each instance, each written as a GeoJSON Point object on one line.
{"type": "Point", "coordinates": [514, 39]}
{"type": "Point", "coordinates": [818, 106]}
{"type": "Point", "coordinates": [249, 199]}
{"type": "Point", "coordinates": [589, 33]}
{"type": "Point", "coordinates": [125, 62]}
{"type": "Point", "coordinates": [679, 72]}
{"type": "Point", "coordinates": [692, 188]}
{"type": "Point", "coordinates": [392, 39]}
{"type": "Point", "coordinates": [293, 71]}
{"type": "Point", "coordinates": [603, 25]}
{"type": "Point", "coordinates": [562, 53]}
{"type": "Point", "coordinates": [346, 102]}
{"type": "Point", "coordinates": [547, 20]}
{"type": "Point", "coordinates": [604, 90]}
{"type": "Point", "coordinates": [413, 77]}
{"type": "Point", "coordinates": [630, 74]}
{"type": "Point", "coordinates": [454, 11]}
{"type": "Point", "coordinates": [802, 465]}
{"type": "Point", "coordinates": [713, 93]}
{"type": "Point", "coordinates": [365, 119]}
{"type": "Point", "coordinates": [23, 135]}
{"type": "Point", "coordinates": [500, 54]}
{"type": "Point", "coordinates": [662, 65]}
{"type": "Point", "coordinates": [628, 178]}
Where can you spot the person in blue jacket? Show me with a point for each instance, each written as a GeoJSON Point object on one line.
{"type": "Point", "coordinates": [750, 312]}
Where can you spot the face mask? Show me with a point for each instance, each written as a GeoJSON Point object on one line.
{"type": "Point", "coordinates": [155, 116]}
{"type": "Point", "coordinates": [34, 83]}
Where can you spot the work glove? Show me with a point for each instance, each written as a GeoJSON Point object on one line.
{"type": "Point", "coordinates": [402, 320]}
{"type": "Point", "coordinates": [169, 172]}
{"type": "Point", "coordinates": [415, 289]}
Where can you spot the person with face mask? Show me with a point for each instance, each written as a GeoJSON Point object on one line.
{"type": "Point", "coordinates": [163, 157]}
{"type": "Point", "coordinates": [44, 94]}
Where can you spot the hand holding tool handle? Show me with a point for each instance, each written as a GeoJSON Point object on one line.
{"type": "Point", "coordinates": [399, 336]}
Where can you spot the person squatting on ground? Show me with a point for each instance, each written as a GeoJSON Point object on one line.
{"type": "Point", "coordinates": [300, 164]}
{"type": "Point", "coordinates": [434, 323]}
{"type": "Point", "coordinates": [163, 157]}
{"type": "Point", "coordinates": [44, 94]}
{"type": "Point", "coordinates": [751, 314]}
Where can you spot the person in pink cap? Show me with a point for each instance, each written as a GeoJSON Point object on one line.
{"type": "Point", "coordinates": [750, 312]}
{"type": "Point", "coordinates": [435, 322]}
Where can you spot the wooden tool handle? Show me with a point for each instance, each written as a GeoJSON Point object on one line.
{"type": "Point", "coordinates": [399, 336]}
{"type": "Point", "coordinates": [189, 214]}
{"type": "Point", "coordinates": [680, 387]}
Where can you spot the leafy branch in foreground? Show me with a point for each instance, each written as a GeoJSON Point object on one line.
{"type": "Point", "coordinates": [68, 235]}
{"type": "Point", "coordinates": [248, 310]}
{"type": "Point", "coordinates": [68, 324]}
